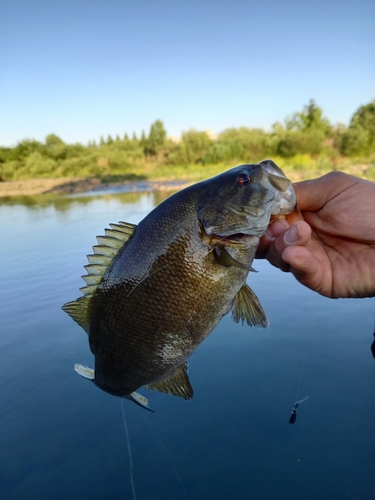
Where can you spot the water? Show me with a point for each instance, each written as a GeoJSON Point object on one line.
{"type": "Point", "coordinates": [61, 437]}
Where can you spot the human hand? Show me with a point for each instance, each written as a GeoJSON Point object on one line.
{"type": "Point", "coordinates": [328, 244]}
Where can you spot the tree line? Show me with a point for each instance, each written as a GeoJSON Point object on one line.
{"type": "Point", "coordinates": [306, 132]}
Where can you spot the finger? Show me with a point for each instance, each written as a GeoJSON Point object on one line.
{"type": "Point", "coordinates": [277, 227]}
{"type": "Point", "coordinates": [304, 266]}
{"type": "Point", "coordinates": [298, 234]}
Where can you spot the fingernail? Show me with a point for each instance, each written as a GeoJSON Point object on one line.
{"type": "Point", "coordinates": [292, 235]}
{"type": "Point", "coordinates": [269, 235]}
{"type": "Point", "coordinates": [276, 228]}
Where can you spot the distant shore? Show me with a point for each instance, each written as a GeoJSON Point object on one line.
{"type": "Point", "coordinates": [67, 185]}
{"type": "Point", "coordinates": [177, 179]}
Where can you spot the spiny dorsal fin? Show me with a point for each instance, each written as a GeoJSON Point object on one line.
{"type": "Point", "coordinates": [247, 308]}
{"type": "Point", "coordinates": [107, 248]}
{"type": "Point", "coordinates": [176, 383]}
{"type": "Point", "coordinates": [104, 253]}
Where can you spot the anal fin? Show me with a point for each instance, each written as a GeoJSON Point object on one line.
{"type": "Point", "coordinates": [247, 308]}
{"type": "Point", "coordinates": [139, 400]}
{"type": "Point", "coordinates": [176, 383]}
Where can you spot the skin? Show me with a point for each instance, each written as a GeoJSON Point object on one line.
{"type": "Point", "coordinates": [328, 243]}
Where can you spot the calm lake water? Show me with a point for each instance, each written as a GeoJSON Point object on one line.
{"type": "Point", "coordinates": [61, 437]}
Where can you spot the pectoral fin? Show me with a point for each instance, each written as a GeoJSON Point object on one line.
{"type": "Point", "coordinates": [225, 259]}
{"type": "Point", "coordinates": [177, 383]}
{"type": "Point", "coordinates": [247, 308]}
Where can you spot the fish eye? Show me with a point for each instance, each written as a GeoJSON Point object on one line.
{"type": "Point", "coordinates": [243, 179]}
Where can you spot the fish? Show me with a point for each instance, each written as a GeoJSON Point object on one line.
{"type": "Point", "coordinates": [154, 291]}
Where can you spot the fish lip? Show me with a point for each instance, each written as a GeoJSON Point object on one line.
{"type": "Point", "coordinates": [224, 232]}
{"type": "Point", "coordinates": [239, 237]}
{"type": "Point", "coordinates": [235, 237]}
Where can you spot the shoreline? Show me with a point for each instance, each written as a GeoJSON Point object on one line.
{"type": "Point", "coordinates": [73, 185]}
{"type": "Point", "coordinates": [68, 185]}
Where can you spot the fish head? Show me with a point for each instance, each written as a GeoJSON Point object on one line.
{"type": "Point", "coordinates": [242, 200]}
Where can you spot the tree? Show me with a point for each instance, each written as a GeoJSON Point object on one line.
{"type": "Point", "coordinates": [192, 149]}
{"type": "Point", "coordinates": [311, 118]}
{"type": "Point", "coordinates": [156, 138]}
{"type": "Point", "coordinates": [24, 149]}
{"type": "Point", "coordinates": [359, 138]}
{"type": "Point", "coordinates": [55, 147]}
{"type": "Point", "coordinates": [304, 132]}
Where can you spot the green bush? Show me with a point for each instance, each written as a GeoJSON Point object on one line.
{"type": "Point", "coordinates": [36, 165]}
{"type": "Point", "coordinates": [119, 160]}
{"type": "Point", "coordinates": [359, 138]}
{"type": "Point", "coordinates": [80, 166]}
{"type": "Point", "coordinates": [294, 142]}
{"type": "Point", "coordinates": [220, 151]}
{"type": "Point", "coordinates": [245, 144]}
{"type": "Point", "coordinates": [192, 149]}
{"type": "Point", "coordinates": [10, 169]}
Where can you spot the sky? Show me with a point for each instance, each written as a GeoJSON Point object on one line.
{"type": "Point", "coordinates": [82, 69]}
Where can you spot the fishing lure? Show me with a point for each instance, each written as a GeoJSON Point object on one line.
{"type": "Point", "coordinates": [293, 415]}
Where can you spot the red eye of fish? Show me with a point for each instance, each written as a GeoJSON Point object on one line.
{"type": "Point", "coordinates": [243, 179]}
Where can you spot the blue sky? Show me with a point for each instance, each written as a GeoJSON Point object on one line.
{"type": "Point", "coordinates": [86, 68]}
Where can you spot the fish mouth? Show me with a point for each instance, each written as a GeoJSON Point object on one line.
{"type": "Point", "coordinates": [235, 238]}
{"type": "Point", "coordinates": [252, 223]}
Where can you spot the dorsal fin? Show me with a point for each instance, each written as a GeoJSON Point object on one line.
{"type": "Point", "coordinates": [176, 383]}
{"type": "Point", "coordinates": [246, 307]}
{"type": "Point", "coordinates": [107, 248]}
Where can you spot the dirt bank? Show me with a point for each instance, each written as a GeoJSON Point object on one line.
{"type": "Point", "coordinates": [32, 187]}
{"type": "Point", "coordinates": [40, 186]}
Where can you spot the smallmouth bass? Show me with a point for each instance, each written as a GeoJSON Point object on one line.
{"type": "Point", "coordinates": [155, 291]}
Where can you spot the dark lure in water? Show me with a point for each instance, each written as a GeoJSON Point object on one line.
{"type": "Point", "coordinates": [155, 291]}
